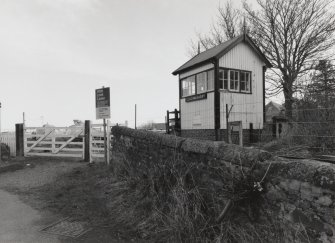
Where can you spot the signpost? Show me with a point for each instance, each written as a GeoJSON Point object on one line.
{"type": "Point", "coordinates": [102, 105]}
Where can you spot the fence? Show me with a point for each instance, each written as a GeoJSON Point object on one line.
{"type": "Point", "coordinates": [85, 142]}
{"type": "Point", "coordinates": [311, 129]}
{"type": "Point", "coordinates": [9, 139]}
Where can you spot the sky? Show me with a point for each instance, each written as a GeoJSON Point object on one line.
{"type": "Point", "coordinates": [55, 53]}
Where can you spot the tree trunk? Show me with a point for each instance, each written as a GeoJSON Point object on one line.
{"type": "Point", "coordinates": [288, 95]}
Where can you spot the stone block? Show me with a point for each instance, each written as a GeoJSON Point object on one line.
{"type": "Point", "coordinates": [325, 201]}
{"type": "Point", "coordinates": [306, 194]}
{"type": "Point", "coordinates": [294, 185]}
{"type": "Point", "coordinates": [275, 195]}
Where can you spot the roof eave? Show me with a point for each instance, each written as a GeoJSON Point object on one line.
{"type": "Point", "coordinates": [179, 71]}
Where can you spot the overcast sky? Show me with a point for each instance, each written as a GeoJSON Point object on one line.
{"type": "Point", "coordinates": [55, 53]}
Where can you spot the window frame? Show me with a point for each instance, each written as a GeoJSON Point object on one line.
{"type": "Point", "coordinates": [196, 83]}
{"type": "Point", "coordinates": [246, 81]}
{"type": "Point", "coordinates": [220, 84]}
{"type": "Point", "coordinates": [228, 70]}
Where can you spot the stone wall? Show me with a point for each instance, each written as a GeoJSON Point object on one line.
{"type": "Point", "coordinates": [298, 192]}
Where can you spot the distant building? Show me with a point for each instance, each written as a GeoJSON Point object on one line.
{"type": "Point", "coordinates": [231, 75]}
{"type": "Point", "coordinates": [155, 127]}
{"type": "Point", "coordinates": [273, 109]}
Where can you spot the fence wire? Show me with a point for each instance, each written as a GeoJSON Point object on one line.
{"type": "Point", "coordinates": [310, 130]}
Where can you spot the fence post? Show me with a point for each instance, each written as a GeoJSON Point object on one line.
{"type": "Point", "coordinates": [19, 137]}
{"type": "Point", "coordinates": [87, 147]}
{"type": "Point", "coordinates": [240, 127]}
{"type": "Point", "coordinates": [251, 133]}
{"type": "Point", "coordinates": [108, 141]}
{"type": "Point", "coordinates": [167, 122]}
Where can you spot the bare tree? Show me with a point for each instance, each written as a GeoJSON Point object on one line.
{"type": "Point", "coordinates": [294, 35]}
{"type": "Point", "coordinates": [228, 25]}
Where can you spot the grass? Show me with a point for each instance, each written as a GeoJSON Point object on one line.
{"type": "Point", "coordinates": [170, 201]}
{"type": "Point", "coordinates": [175, 201]}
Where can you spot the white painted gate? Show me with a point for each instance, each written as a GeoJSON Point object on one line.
{"type": "Point", "coordinates": [54, 141]}
{"type": "Point", "coordinates": [97, 141]}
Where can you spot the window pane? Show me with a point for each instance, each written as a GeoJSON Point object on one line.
{"type": "Point", "coordinates": [225, 84]}
{"type": "Point", "coordinates": [232, 84]}
{"type": "Point", "coordinates": [242, 85]}
{"type": "Point", "coordinates": [232, 75]}
{"type": "Point", "coordinates": [201, 82]}
{"type": "Point", "coordinates": [188, 86]}
{"type": "Point", "coordinates": [184, 88]}
{"type": "Point", "coordinates": [242, 77]}
{"type": "Point", "coordinates": [220, 74]}
{"type": "Point", "coordinates": [236, 85]}
{"type": "Point", "coordinates": [221, 79]}
{"type": "Point", "coordinates": [234, 80]}
{"type": "Point", "coordinates": [245, 81]}
{"type": "Point", "coordinates": [210, 80]}
{"type": "Point", "coordinates": [224, 79]}
{"type": "Point", "coordinates": [192, 85]}
{"type": "Point", "coordinates": [247, 88]}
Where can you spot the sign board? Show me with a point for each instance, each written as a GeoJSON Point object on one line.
{"type": "Point", "coordinates": [196, 97]}
{"type": "Point", "coordinates": [102, 103]}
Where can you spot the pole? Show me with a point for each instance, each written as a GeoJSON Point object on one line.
{"type": "Point", "coordinates": [105, 141]}
{"type": "Point", "coordinates": [135, 116]}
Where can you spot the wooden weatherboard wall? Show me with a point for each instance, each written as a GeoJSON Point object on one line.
{"type": "Point", "coordinates": [198, 114]}
{"type": "Point", "coordinates": [247, 108]}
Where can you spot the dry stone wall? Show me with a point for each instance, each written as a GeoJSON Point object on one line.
{"type": "Point", "coordinates": [298, 192]}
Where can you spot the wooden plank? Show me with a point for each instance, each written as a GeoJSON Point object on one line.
{"type": "Point", "coordinates": [98, 155]}
{"type": "Point", "coordinates": [54, 155]}
{"type": "Point", "coordinates": [56, 142]}
{"type": "Point", "coordinates": [41, 149]}
{"type": "Point", "coordinates": [97, 142]}
{"type": "Point", "coordinates": [98, 149]}
{"type": "Point", "coordinates": [39, 140]}
{"type": "Point", "coordinates": [73, 149]}
{"type": "Point", "coordinates": [32, 128]}
{"type": "Point", "coordinates": [53, 135]}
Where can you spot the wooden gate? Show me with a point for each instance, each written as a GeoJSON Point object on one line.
{"type": "Point", "coordinates": [97, 145]}
{"type": "Point", "coordinates": [54, 141]}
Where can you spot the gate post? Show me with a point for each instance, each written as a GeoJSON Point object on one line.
{"type": "Point", "coordinates": [241, 133]}
{"type": "Point", "coordinates": [87, 148]}
{"type": "Point", "coordinates": [19, 138]}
